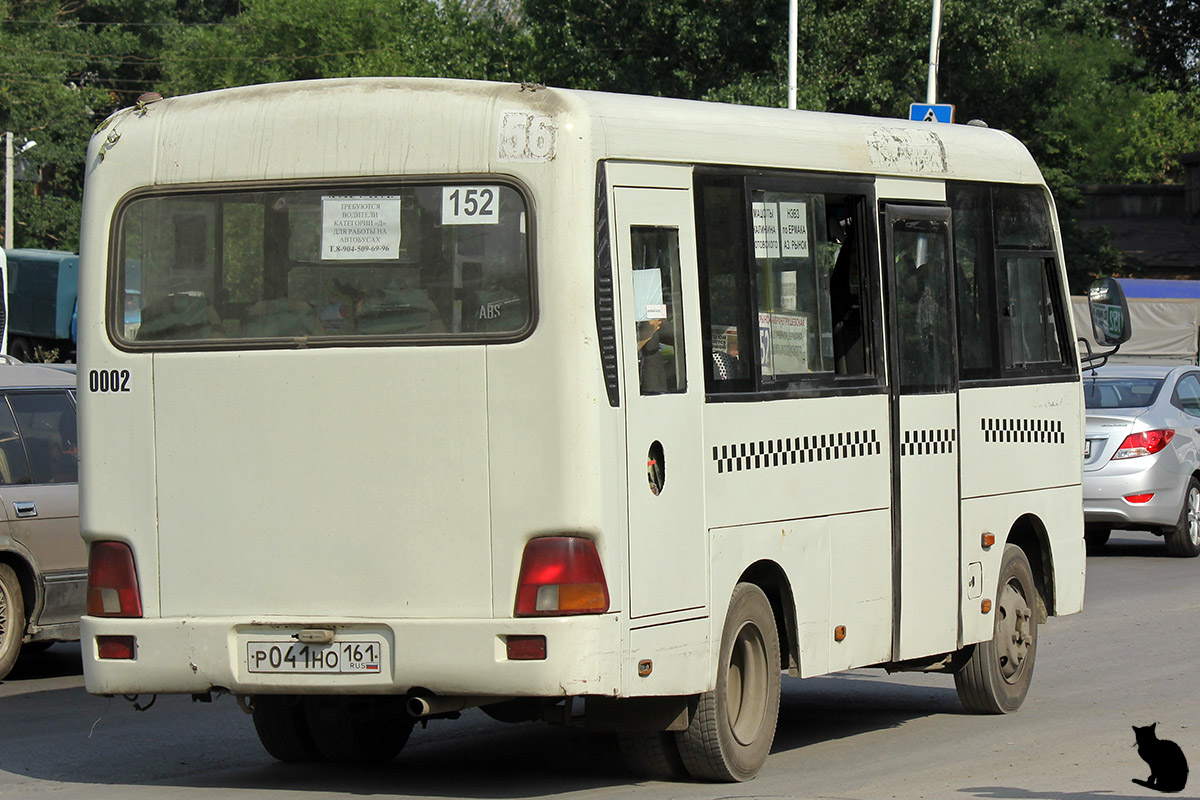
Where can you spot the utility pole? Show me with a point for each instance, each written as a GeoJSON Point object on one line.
{"type": "Point", "coordinates": [8, 185]}
{"type": "Point", "coordinates": [935, 33]}
{"type": "Point", "coordinates": [8, 190]}
{"type": "Point", "coordinates": [793, 27]}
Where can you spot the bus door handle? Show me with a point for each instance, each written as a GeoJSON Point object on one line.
{"type": "Point", "coordinates": [25, 508]}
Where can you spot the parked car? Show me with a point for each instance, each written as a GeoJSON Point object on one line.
{"type": "Point", "coordinates": [43, 560]}
{"type": "Point", "coordinates": [1141, 460]}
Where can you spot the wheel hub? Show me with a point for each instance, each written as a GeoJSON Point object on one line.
{"type": "Point", "coordinates": [746, 687]}
{"type": "Point", "coordinates": [1193, 516]}
{"type": "Point", "coordinates": [1013, 632]}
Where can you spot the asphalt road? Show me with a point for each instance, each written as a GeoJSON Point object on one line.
{"type": "Point", "coordinates": [1130, 659]}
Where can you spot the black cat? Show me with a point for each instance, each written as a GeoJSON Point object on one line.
{"type": "Point", "coordinates": [1168, 767]}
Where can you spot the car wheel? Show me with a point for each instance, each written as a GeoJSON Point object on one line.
{"type": "Point", "coordinates": [1096, 537]}
{"type": "Point", "coordinates": [1184, 539]}
{"type": "Point", "coordinates": [12, 619]}
{"type": "Point", "coordinates": [282, 728]}
{"type": "Point", "coordinates": [996, 675]}
{"type": "Point", "coordinates": [20, 349]}
{"type": "Point", "coordinates": [732, 730]}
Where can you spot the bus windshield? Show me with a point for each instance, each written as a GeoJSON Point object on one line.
{"type": "Point", "coordinates": [340, 264]}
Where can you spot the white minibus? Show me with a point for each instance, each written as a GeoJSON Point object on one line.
{"type": "Point", "coordinates": [595, 409]}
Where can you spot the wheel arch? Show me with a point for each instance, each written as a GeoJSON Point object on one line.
{"type": "Point", "coordinates": [771, 578]}
{"type": "Point", "coordinates": [1029, 533]}
{"type": "Point", "coordinates": [27, 578]}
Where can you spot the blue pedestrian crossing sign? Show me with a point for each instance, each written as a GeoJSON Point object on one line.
{"type": "Point", "coordinates": [931, 112]}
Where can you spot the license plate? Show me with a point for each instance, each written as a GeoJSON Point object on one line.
{"type": "Point", "coordinates": [346, 656]}
{"type": "Point", "coordinates": [1087, 448]}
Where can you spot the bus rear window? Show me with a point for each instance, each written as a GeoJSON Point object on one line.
{"type": "Point", "coordinates": [298, 267]}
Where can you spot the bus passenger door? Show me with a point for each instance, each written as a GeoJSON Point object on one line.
{"type": "Point", "coordinates": [923, 375]}
{"type": "Point", "coordinates": [663, 390]}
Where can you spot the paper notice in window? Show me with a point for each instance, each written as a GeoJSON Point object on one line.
{"type": "Point", "coordinates": [648, 295]}
{"type": "Point", "coordinates": [784, 342]}
{"type": "Point", "coordinates": [793, 229]}
{"type": "Point", "coordinates": [357, 228]}
{"type": "Point", "coordinates": [766, 229]}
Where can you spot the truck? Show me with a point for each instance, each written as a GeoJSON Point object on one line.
{"type": "Point", "coordinates": [1165, 318]}
{"type": "Point", "coordinates": [43, 286]}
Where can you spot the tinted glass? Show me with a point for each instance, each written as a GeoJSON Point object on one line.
{"type": "Point", "coordinates": [1022, 217]}
{"type": "Point", "coordinates": [1120, 392]}
{"type": "Point", "coordinates": [1187, 395]}
{"type": "Point", "coordinates": [47, 424]}
{"type": "Point", "coordinates": [923, 305]}
{"type": "Point", "coordinates": [658, 309]}
{"type": "Point", "coordinates": [1029, 323]}
{"type": "Point", "coordinates": [14, 464]}
{"type": "Point", "coordinates": [403, 261]}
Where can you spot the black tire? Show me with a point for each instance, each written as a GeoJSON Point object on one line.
{"type": "Point", "coordinates": [358, 730]}
{"type": "Point", "coordinates": [12, 619]}
{"type": "Point", "coordinates": [652, 755]}
{"type": "Point", "coordinates": [730, 734]}
{"type": "Point", "coordinates": [282, 728]}
{"type": "Point", "coordinates": [20, 349]}
{"type": "Point", "coordinates": [1096, 537]}
{"type": "Point", "coordinates": [995, 677]}
{"type": "Point", "coordinates": [1183, 540]}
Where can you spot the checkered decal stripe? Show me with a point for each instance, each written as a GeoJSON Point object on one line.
{"type": "Point", "coordinates": [1023, 431]}
{"type": "Point", "coordinates": [928, 442]}
{"type": "Point", "coordinates": [795, 450]}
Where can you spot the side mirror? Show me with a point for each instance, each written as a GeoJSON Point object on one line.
{"type": "Point", "coordinates": [1110, 312]}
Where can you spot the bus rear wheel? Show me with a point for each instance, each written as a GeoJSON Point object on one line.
{"type": "Point", "coordinates": [282, 728]}
{"type": "Point", "coordinates": [995, 677]}
{"type": "Point", "coordinates": [652, 755]}
{"type": "Point", "coordinates": [358, 730]}
{"type": "Point", "coordinates": [731, 732]}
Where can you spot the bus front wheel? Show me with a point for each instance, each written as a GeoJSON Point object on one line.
{"type": "Point", "coordinates": [996, 675]}
{"type": "Point", "coordinates": [731, 732]}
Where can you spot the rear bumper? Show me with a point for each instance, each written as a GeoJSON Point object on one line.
{"type": "Point", "coordinates": [445, 657]}
{"type": "Point", "coordinates": [1104, 498]}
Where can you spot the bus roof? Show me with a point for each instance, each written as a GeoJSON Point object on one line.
{"type": "Point", "coordinates": [390, 126]}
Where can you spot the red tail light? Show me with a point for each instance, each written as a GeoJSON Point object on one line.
{"type": "Point", "coordinates": [112, 589]}
{"type": "Point", "coordinates": [561, 575]}
{"type": "Point", "coordinates": [1146, 443]}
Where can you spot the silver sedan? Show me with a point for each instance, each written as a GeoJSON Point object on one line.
{"type": "Point", "coordinates": [1141, 459]}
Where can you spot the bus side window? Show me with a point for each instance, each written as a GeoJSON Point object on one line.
{"type": "Point", "coordinates": [1011, 316]}
{"type": "Point", "coordinates": [658, 309]}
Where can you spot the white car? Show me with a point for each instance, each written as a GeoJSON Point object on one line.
{"type": "Point", "coordinates": [1141, 461]}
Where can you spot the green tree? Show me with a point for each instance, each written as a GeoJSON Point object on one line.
{"type": "Point", "coordinates": [281, 40]}
{"type": "Point", "coordinates": [50, 93]}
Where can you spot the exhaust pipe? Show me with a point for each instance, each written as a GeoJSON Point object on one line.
{"type": "Point", "coordinates": [428, 705]}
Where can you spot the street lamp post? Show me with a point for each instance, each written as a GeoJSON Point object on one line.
{"type": "Point", "coordinates": [8, 185]}
{"type": "Point", "coordinates": [935, 35]}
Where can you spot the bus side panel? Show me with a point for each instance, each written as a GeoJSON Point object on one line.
{"type": "Point", "coordinates": [787, 459]}
{"type": "Point", "coordinates": [1017, 440]}
{"type": "Point", "coordinates": [680, 654]}
{"type": "Point", "coordinates": [839, 570]}
{"type": "Point", "coordinates": [816, 474]}
{"type": "Point", "coordinates": [117, 493]}
{"type": "Point", "coordinates": [1062, 517]}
